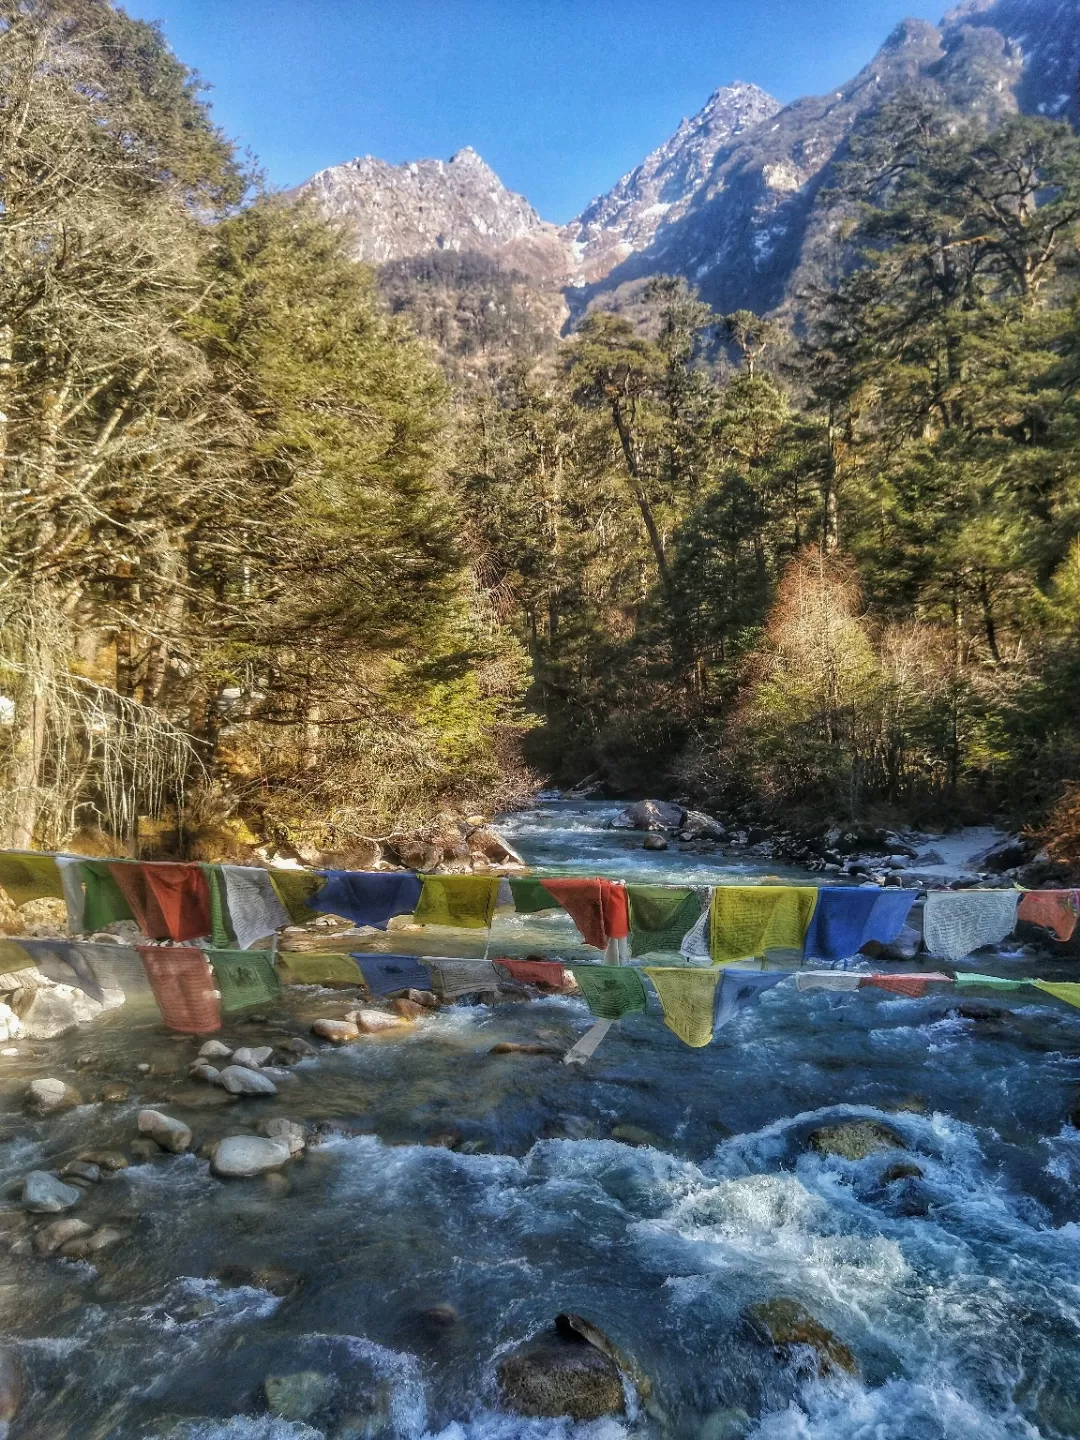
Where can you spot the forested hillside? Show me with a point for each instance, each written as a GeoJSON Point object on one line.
{"type": "Point", "coordinates": [296, 552]}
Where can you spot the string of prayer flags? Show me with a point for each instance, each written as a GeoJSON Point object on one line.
{"type": "Point", "coordinates": [531, 895]}
{"type": "Point", "coordinates": [993, 982]}
{"type": "Point", "coordinates": [131, 881]}
{"type": "Point", "coordinates": [841, 981]}
{"type": "Point", "coordinates": [30, 876]}
{"type": "Point", "coordinates": [661, 916]}
{"type": "Point", "coordinates": [611, 991]}
{"type": "Point", "coordinates": [64, 962]}
{"type": "Point", "coordinates": [244, 978]}
{"type": "Point", "coordinates": [846, 917]}
{"type": "Point", "coordinates": [464, 901]}
{"type": "Point", "coordinates": [753, 919]}
{"type": "Point", "coordinates": [688, 998]}
{"type": "Point", "coordinates": [1054, 910]}
{"type": "Point", "coordinates": [1069, 991]}
{"type": "Point", "coordinates": [184, 988]}
{"type": "Point", "coordinates": [367, 897]}
{"type": "Point", "coordinates": [309, 967]}
{"type": "Point", "coordinates": [740, 988]}
{"type": "Point", "coordinates": [454, 979]}
{"type": "Point", "coordinates": [103, 900]}
{"type": "Point", "coordinates": [959, 922]}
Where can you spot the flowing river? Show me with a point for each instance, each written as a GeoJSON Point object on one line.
{"type": "Point", "coordinates": [403, 1269]}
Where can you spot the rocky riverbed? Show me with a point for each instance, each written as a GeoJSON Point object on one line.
{"type": "Point", "coordinates": [851, 1215]}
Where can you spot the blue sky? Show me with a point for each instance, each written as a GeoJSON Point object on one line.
{"type": "Point", "coordinates": [560, 97]}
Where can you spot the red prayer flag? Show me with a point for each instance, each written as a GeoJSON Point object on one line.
{"type": "Point", "coordinates": [183, 986]}
{"type": "Point", "coordinates": [184, 897]}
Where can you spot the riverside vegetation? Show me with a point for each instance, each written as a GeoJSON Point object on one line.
{"type": "Point", "coordinates": [293, 552]}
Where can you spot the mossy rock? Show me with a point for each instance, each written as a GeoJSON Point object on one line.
{"type": "Point", "coordinates": [556, 1375]}
{"type": "Point", "coordinates": [855, 1139]}
{"type": "Point", "coordinates": [785, 1324]}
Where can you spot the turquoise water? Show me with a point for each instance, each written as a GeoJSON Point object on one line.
{"type": "Point", "coordinates": [958, 1292]}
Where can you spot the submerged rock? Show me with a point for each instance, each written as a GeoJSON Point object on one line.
{"type": "Point", "coordinates": [46, 1097]}
{"type": "Point", "coordinates": [44, 1194]}
{"type": "Point", "coordinates": [291, 1131]}
{"type": "Point", "coordinates": [513, 1047]}
{"type": "Point", "coordinates": [240, 1156]}
{"type": "Point", "coordinates": [253, 1059]}
{"type": "Point", "coordinates": [115, 1093]}
{"type": "Point", "coordinates": [105, 1159]}
{"type": "Point", "coordinates": [855, 1139]}
{"type": "Point", "coordinates": [560, 1374]}
{"type": "Point", "coordinates": [85, 1246]}
{"type": "Point", "coordinates": [375, 1022]}
{"type": "Point", "coordinates": [172, 1135]}
{"type": "Point", "coordinates": [299, 1396]}
{"type": "Point", "coordinates": [81, 1170]}
{"type": "Point", "coordinates": [786, 1324]}
{"type": "Point", "coordinates": [51, 1237]}
{"type": "Point", "coordinates": [654, 842]}
{"type": "Point", "coordinates": [239, 1080]}
{"type": "Point", "coordinates": [902, 1170]}
{"type": "Point", "coordinates": [277, 1279]}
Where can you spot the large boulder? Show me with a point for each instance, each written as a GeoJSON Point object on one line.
{"type": "Point", "coordinates": [50, 1237]}
{"type": "Point", "coordinates": [52, 1010]}
{"type": "Point", "coordinates": [238, 1157]}
{"type": "Point", "coordinates": [10, 1024]}
{"type": "Point", "coordinates": [650, 815]}
{"type": "Point", "coordinates": [46, 1097]}
{"type": "Point", "coordinates": [855, 1139]}
{"type": "Point", "coordinates": [697, 825]}
{"type": "Point", "coordinates": [376, 1022]}
{"type": "Point", "coordinates": [787, 1325]}
{"type": "Point", "coordinates": [560, 1373]}
{"type": "Point", "coordinates": [490, 844]}
{"type": "Point", "coordinates": [1005, 855]}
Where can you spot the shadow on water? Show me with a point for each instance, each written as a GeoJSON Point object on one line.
{"type": "Point", "coordinates": [398, 1269]}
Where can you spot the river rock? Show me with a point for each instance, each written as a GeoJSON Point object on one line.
{"type": "Point", "coordinates": [241, 1156]}
{"type": "Point", "coordinates": [297, 1046]}
{"type": "Point", "coordinates": [374, 1022]}
{"type": "Point", "coordinates": [239, 1080]}
{"type": "Point", "coordinates": [85, 1246]}
{"type": "Point", "coordinates": [513, 1047]}
{"type": "Point", "coordinates": [203, 1070]}
{"type": "Point", "coordinates": [10, 1024]}
{"type": "Point", "coordinates": [558, 1375]}
{"type": "Point", "coordinates": [51, 1237]}
{"type": "Point", "coordinates": [426, 999]}
{"type": "Point", "coordinates": [253, 1059]}
{"type": "Point", "coordinates": [172, 1135]}
{"type": "Point", "coordinates": [785, 1324]}
{"type": "Point", "coordinates": [299, 1396]}
{"type": "Point", "coordinates": [214, 1050]}
{"type": "Point", "coordinates": [407, 1009]}
{"type": "Point", "coordinates": [697, 825]}
{"type": "Point", "coordinates": [489, 843]}
{"type": "Point", "coordinates": [81, 1170]}
{"type": "Point", "coordinates": [855, 1139]}
{"type": "Point", "coordinates": [902, 1170]}
{"type": "Point", "coordinates": [46, 1097]}
{"type": "Point", "coordinates": [44, 1194]}
{"type": "Point", "coordinates": [654, 842]}
{"type": "Point", "coordinates": [338, 1032]}
{"type": "Point", "coordinates": [1006, 855]}
{"type": "Point", "coordinates": [53, 1010]}
{"type": "Point", "coordinates": [650, 815]}
{"type": "Point", "coordinates": [635, 1135]}
{"type": "Point", "coordinates": [291, 1131]}
{"type": "Point", "coordinates": [106, 1159]}
{"type": "Point", "coordinates": [115, 1093]}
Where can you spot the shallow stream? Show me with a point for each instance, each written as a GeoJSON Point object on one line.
{"type": "Point", "coordinates": [405, 1268]}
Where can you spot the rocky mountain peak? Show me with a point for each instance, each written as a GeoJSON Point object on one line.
{"type": "Point", "coordinates": [398, 211]}
{"type": "Point", "coordinates": [658, 191]}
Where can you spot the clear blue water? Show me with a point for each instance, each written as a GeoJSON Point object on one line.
{"type": "Point", "coordinates": [959, 1292]}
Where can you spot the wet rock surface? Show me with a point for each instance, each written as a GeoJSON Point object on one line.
{"type": "Point", "coordinates": [560, 1374]}
{"type": "Point", "coordinates": [788, 1325]}
{"type": "Point", "coordinates": [855, 1139]}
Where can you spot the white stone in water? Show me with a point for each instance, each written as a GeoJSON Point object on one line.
{"type": "Point", "coordinates": [43, 1194]}
{"type": "Point", "coordinates": [371, 1022]}
{"type": "Point", "coordinates": [240, 1156]}
{"type": "Point", "coordinates": [239, 1080]}
{"type": "Point", "coordinates": [53, 1010]}
{"type": "Point", "coordinates": [10, 1026]}
{"type": "Point", "coordinates": [291, 1131]}
{"type": "Point", "coordinates": [339, 1032]}
{"type": "Point", "coordinates": [170, 1134]}
{"type": "Point", "coordinates": [214, 1050]}
{"type": "Point", "coordinates": [253, 1059]}
{"type": "Point", "coordinates": [203, 1070]}
{"type": "Point", "coordinates": [45, 1097]}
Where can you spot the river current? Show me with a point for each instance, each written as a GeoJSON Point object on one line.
{"type": "Point", "coordinates": [404, 1269]}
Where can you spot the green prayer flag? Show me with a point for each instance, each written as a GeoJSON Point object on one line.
{"type": "Point", "coordinates": [105, 902]}
{"type": "Point", "coordinates": [463, 901]}
{"type": "Point", "coordinates": [995, 982]}
{"type": "Point", "coordinates": [1067, 990]}
{"type": "Point", "coordinates": [611, 990]}
{"type": "Point", "coordinates": [304, 967]}
{"type": "Point", "coordinates": [660, 916]}
{"type": "Point", "coordinates": [530, 895]}
{"type": "Point", "coordinates": [244, 978]}
{"type": "Point", "coordinates": [294, 888]}
{"type": "Point", "coordinates": [27, 876]}
{"type": "Point", "coordinates": [221, 929]}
